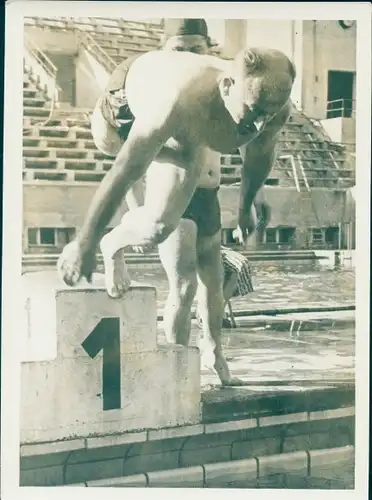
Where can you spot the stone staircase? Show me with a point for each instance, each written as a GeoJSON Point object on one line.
{"type": "Point", "coordinates": [63, 150]}
{"type": "Point", "coordinates": [38, 105]}
{"type": "Point", "coordinates": [302, 147]}
{"type": "Point", "coordinates": [305, 152]}
{"type": "Point", "coordinates": [39, 71]}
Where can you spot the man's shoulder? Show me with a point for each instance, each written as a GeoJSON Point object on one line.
{"type": "Point", "coordinates": [185, 62]}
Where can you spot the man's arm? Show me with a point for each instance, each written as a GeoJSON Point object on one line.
{"type": "Point", "coordinates": [258, 160]}
{"type": "Point", "coordinates": [142, 146]}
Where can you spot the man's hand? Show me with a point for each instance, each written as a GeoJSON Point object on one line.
{"type": "Point", "coordinates": [239, 236]}
{"type": "Point", "coordinates": [256, 220]}
{"type": "Point", "coordinates": [263, 214]}
{"type": "Point", "coordinates": [246, 227]}
{"type": "Point", "coordinates": [74, 263]}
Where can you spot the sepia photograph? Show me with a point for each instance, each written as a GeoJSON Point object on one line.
{"type": "Point", "coordinates": [161, 345]}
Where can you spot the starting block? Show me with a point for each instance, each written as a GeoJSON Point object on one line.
{"type": "Point", "coordinates": [91, 364]}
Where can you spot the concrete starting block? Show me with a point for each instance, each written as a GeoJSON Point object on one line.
{"type": "Point", "coordinates": [91, 364]}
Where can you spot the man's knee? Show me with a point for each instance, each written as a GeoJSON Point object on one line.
{"type": "Point", "coordinates": [186, 288]}
{"type": "Point", "coordinates": [160, 231]}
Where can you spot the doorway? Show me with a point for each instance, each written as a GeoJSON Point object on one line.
{"type": "Point", "coordinates": [340, 94]}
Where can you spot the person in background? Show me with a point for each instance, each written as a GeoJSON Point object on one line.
{"type": "Point", "coordinates": [191, 35]}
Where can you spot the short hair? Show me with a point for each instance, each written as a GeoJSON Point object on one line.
{"type": "Point", "coordinates": [252, 60]}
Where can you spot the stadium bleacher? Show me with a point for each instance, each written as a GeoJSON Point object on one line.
{"type": "Point", "coordinates": [58, 145]}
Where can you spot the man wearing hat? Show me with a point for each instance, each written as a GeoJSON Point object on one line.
{"type": "Point", "coordinates": [164, 115]}
{"type": "Point", "coordinates": [189, 35]}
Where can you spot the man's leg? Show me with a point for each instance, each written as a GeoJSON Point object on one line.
{"type": "Point", "coordinates": [229, 286]}
{"type": "Point", "coordinates": [169, 188]}
{"type": "Point", "coordinates": [178, 257]}
{"type": "Point", "coordinates": [211, 304]}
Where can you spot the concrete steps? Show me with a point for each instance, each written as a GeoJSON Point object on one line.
{"type": "Point", "coordinates": [324, 168]}
{"type": "Point", "coordinates": [40, 163]}
{"type": "Point", "coordinates": [309, 152]}
{"type": "Point", "coordinates": [77, 164]}
{"type": "Point", "coordinates": [36, 111]}
{"type": "Point", "coordinates": [33, 102]}
{"type": "Point", "coordinates": [117, 50]}
{"type": "Point", "coordinates": [56, 142]}
{"type": "Point", "coordinates": [126, 38]}
{"type": "Point", "coordinates": [29, 93]}
{"type": "Point", "coordinates": [73, 154]}
{"type": "Point", "coordinates": [46, 174]}
{"type": "Point", "coordinates": [59, 119]}
{"type": "Point", "coordinates": [35, 152]}
{"type": "Point", "coordinates": [54, 132]}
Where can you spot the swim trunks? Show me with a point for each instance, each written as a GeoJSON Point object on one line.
{"type": "Point", "coordinates": [204, 210]}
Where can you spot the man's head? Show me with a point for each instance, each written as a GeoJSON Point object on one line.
{"type": "Point", "coordinates": [258, 88]}
{"type": "Point", "coordinates": [190, 35]}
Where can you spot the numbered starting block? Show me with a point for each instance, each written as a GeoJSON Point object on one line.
{"type": "Point", "coordinates": [91, 364]}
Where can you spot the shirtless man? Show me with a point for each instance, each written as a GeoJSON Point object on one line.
{"type": "Point", "coordinates": [183, 104]}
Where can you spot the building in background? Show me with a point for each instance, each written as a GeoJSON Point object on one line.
{"type": "Point", "coordinates": [324, 53]}
{"type": "Point", "coordinates": [66, 65]}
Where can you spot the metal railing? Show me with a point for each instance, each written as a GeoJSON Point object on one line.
{"type": "Point", "coordinates": [96, 50]}
{"type": "Point", "coordinates": [40, 57]}
{"type": "Point", "coordinates": [338, 108]}
{"type": "Point", "coordinates": [45, 72]}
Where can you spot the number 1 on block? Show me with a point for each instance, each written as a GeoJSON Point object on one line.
{"type": "Point", "coordinates": [106, 337]}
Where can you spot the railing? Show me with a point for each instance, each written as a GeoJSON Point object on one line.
{"type": "Point", "coordinates": [40, 57]}
{"type": "Point", "coordinates": [43, 68]}
{"type": "Point", "coordinates": [96, 50]}
{"type": "Point", "coordinates": [344, 108]}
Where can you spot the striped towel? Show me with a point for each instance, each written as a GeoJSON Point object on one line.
{"type": "Point", "coordinates": [237, 263]}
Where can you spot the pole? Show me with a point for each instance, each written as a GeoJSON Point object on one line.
{"type": "Point", "coordinates": [339, 235]}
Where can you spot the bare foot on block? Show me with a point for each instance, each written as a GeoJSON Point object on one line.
{"type": "Point", "coordinates": [117, 279]}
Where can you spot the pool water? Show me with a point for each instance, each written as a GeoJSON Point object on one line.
{"type": "Point", "coordinates": [277, 284]}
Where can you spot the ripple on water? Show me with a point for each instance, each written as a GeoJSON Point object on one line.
{"type": "Point", "coordinates": [298, 282]}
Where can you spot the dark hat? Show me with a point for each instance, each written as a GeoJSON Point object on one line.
{"type": "Point", "coordinates": [180, 27]}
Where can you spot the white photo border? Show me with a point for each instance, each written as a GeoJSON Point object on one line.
{"type": "Point", "coordinates": [13, 220]}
